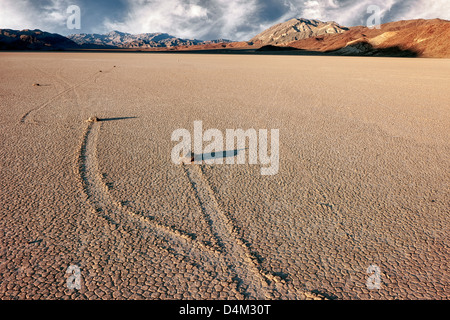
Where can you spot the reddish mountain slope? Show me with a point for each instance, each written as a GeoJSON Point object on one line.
{"type": "Point", "coordinates": [414, 38]}
{"type": "Point", "coordinates": [422, 38]}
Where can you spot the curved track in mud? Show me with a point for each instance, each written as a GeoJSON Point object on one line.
{"type": "Point", "coordinates": [234, 257]}
{"type": "Point", "coordinates": [237, 255]}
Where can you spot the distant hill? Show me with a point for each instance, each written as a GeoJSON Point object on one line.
{"type": "Point", "coordinates": [296, 29]}
{"type": "Point", "coordinates": [142, 41]}
{"type": "Point", "coordinates": [33, 40]}
{"type": "Point", "coordinates": [410, 38]}
{"type": "Point", "coordinates": [41, 40]}
{"type": "Point", "coordinates": [419, 38]}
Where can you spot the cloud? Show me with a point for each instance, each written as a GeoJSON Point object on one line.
{"type": "Point", "coordinates": [12, 14]}
{"type": "Point", "coordinates": [348, 13]}
{"type": "Point", "coordinates": [205, 19]}
{"type": "Point", "coordinates": [170, 16]}
{"type": "Point", "coordinates": [351, 13]}
{"type": "Point", "coordinates": [24, 14]}
{"type": "Point", "coordinates": [426, 10]}
{"type": "Point", "coordinates": [189, 19]}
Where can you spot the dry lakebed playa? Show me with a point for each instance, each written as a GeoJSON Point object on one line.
{"type": "Point", "coordinates": [362, 189]}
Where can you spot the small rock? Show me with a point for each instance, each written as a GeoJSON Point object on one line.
{"type": "Point", "coordinates": [188, 158]}
{"type": "Point", "coordinates": [93, 119]}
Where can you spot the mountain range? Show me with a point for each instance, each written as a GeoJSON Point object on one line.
{"type": "Point", "coordinates": [408, 38]}
{"type": "Point", "coordinates": [296, 29]}
{"type": "Point", "coordinates": [417, 38]}
{"type": "Point", "coordinates": [41, 40]}
{"type": "Point", "coordinates": [33, 40]}
{"type": "Point", "coordinates": [118, 39]}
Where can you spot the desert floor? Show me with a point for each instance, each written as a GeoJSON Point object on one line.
{"type": "Point", "coordinates": [363, 179]}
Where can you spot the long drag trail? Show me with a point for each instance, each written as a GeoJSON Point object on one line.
{"type": "Point", "coordinates": [103, 203]}
{"type": "Point", "coordinates": [237, 255]}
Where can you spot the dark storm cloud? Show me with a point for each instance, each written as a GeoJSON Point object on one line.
{"type": "Point", "coordinates": [204, 19]}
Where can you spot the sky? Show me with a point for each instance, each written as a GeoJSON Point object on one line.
{"type": "Point", "coordinates": [204, 19]}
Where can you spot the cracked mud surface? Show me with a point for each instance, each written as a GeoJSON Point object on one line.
{"type": "Point", "coordinates": [363, 178]}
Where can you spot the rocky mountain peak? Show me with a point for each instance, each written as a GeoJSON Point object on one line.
{"type": "Point", "coordinates": [297, 29]}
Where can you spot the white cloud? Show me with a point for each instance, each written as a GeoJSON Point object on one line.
{"type": "Point", "coordinates": [14, 15]}
{"type": "Point", "coordinates": [236, 14]}
{"type": "Point", "coordinates": [169, 16]}
{"type": "Point", "coordinates": [21, 14]}
{"type": "Point", "coordinates": [345, 14]}
{"type": "Point", "coordinates": [353, 13]}
{"type": "Point", "coordinates": [428, 10]}
{"type": "Point", "coordinates": [186, 20]}
{"type": "Point", "coordinates": [312, 10]}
